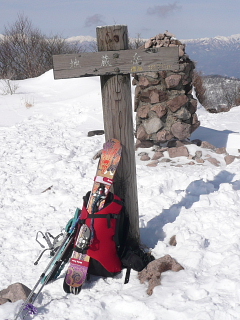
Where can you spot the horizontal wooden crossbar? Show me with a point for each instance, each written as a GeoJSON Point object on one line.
{"type": "Point", "coordinates": [115, 62]}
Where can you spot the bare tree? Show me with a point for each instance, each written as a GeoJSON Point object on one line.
{"type": "Point", "coordinates": [136, 42]}
{"type": "Point", "coordinates": [25, 52]}
{"type": "Point", "coordinates": [222, 93]}
{"type": "Point", "coordinates": [237, 101]}
{"type": "Point", "coordinates": [7, 86]}
{"type": "Point", "coordinates": [231, 94]}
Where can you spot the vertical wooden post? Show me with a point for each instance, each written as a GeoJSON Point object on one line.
{"type": "Point", "coordinates": [118, 122]}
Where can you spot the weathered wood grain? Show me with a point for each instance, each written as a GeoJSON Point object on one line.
{"type": "Point", "coordinates": [115, 62]}
{"type": "Point", "coordinates": [118, 123]}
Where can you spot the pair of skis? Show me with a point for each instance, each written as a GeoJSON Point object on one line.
{"type": "Point", "coordinates": [74, 239]}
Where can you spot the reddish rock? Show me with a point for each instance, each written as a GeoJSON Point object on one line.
{"type": "Point", "coordinates": [157, 155]}
{"type": "Point", "coordinates": [141, 133]}
{"type": "Point", "coordinates": [164, 136]}
{"type": "Point", "coordinates": [159, 44]}
{"type": "Point", "coordinates": [213, 161]}
{"type": "Point", "coordinates": [143, 110]}
{"type": "Point", "coordinates": [181, 130]}
{"type": "Point", "coordinates": [160, 110]}
{"type": "Point", "coordinates": [199, 160]}
{"type": "Point", "coordinates": [207, 145]}
{"type": "Point", "coordinates": [154, 96]}
{"type": "Point", "coordinates": [165, 160]}
{"type": "Point", "coordinates": [152, 163]}
{"type": "Point", "coordinates": [152, 273]}
{"type": "Point", "coordinates": [178, 152]}
{"type": "Point", "coordinates": [148, 44]}
{"type": "Point", "coordinates": [144, 96]}
{"type": "Point", "coordinates": [145, 81]}
{"type": "Point", "coordinates": [145, 157]}
{"type": "Point", "coordinates": [15, 292]}
{"type": "Point", "coordinates": [181, 50]}
{"type": "Point", "coordinates": [3, 300]}
{"type": "Point", "coordinates": [192, 106]}
{"type": "Point", "coordinates": [162, 96]}
{"type": "Point", "coordinates": [176, 103]}
{"type": "Point", "coordinates": [220, 150]}
{"type": "Point", "coordinates": [160, 36]}
{"type": "Point", "coordinates": [229, 159]}
{"type": "Point", "coordinates": [191, 163]}
{"type": "Point", "coordinates": [173, 80]}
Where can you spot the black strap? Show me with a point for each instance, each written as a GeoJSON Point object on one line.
{"type": "Point", "coordinates": [118, 202]}
{"type": "Point", "coordinates": [127, 275]}
{"type": "Point", "coordinates": [107, 216]}
{"type": "Point", "coordinates": [80, 250]}
{"type": "Point", "coordinates": [104, 215]}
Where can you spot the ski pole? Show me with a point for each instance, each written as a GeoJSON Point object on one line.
{"type": "Point", "coordinates": [52, 264]}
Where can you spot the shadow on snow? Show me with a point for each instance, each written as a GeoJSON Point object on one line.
{"type": "Point", "coordinates": [215, 137]}
{"type": "Point", "coordinates": [153, 232]}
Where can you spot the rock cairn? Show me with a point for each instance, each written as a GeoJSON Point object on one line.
{"type": "Point", "coordinates": [164, 105]}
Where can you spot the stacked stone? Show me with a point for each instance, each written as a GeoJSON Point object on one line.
{"type": "Point", "coordinates": [164, 105]}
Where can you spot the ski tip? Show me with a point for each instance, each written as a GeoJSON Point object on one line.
{"type": "Point", "coordinates": [111, 142]}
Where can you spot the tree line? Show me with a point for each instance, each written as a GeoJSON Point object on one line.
{"type": "Point", "coordinates": [25, 52]}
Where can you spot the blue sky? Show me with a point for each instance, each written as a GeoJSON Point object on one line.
{"type": "Point", "coordinates": [184, 18]}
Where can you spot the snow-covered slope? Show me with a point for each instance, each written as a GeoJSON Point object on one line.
{"type": "Point", "coordinates": [47, 146]}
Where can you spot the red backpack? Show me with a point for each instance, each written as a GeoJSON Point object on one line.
{"type": "Point", "coordinates": [111, 226]}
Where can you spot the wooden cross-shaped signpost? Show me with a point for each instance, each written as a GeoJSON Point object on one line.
{"type": "Point", "coordinates": [114, 64]}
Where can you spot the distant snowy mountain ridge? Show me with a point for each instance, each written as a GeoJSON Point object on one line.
{"type": "Point", "coordinates": [218, 39]}
{"type": "Point", "coordinates": [81, 38]}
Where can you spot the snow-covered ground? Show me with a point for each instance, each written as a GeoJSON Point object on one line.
{"type": "Point", "coordinates": [46, 145]}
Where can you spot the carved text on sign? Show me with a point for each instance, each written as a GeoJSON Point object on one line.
{"type": "Point", "coordinates": [74, 63]}
{"type": "Point", "coordinates": [136, 59]}
{"type": "Point", "coordinates": [105, 61]}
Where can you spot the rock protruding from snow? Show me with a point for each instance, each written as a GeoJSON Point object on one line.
{"type": "Point", "coordinates": [197, 151]}
{"type": "Point", "coordinates": [14, 292]}
{"type": "Point", "coordinates": [164, 105]}
{"type": "Point", "coordinates": [152, 273]}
